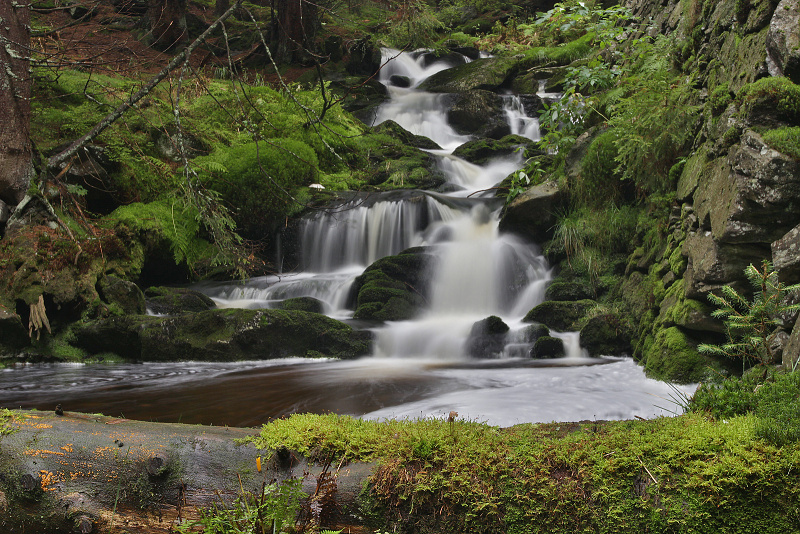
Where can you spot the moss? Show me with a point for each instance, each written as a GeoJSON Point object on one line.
{"type": "Point", "coordinates": [677, 261]}
{"type": "Point", "coordinates": [785, 140]}
{"type": "Point", "coordinates": [562, 316]}
{"type": "Point", "coordinates": [719, 99]}
{"type": "Point", "coordinates": [674, 357]}
{"type": "Point", "coordinates": [771, 96]}
{"type": "Point", "coordinates": [599, 182]}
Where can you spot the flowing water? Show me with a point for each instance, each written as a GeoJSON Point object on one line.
{"type": "Point", "coordinates": [420, 367]}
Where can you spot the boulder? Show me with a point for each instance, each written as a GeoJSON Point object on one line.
{"type": "Point", "coordinates": [393, 288]}
{"type": "Point", "coordinates": [407, 138]}
{"type": "Point", "coordinates": [672, 355]}
{"type": "Point", "coordinates": [568, 291]}
{"type": "Point", "coordinates": [546, 347]}
{"type": "Point", "coordinates": [786, 256]}
{"type": "Point", "coordinates": [533, 213]}
{"type": "Point", "coordinates": [482, 151]}
{"type": "Point", "coordinates": [487, 74]}
{"type": "Point", "coordinates": [308, 304]}
{"type": "Point", "coordinates": [124, 295]}
{"type": "Point", "coordinates": [562, 316]}
{"type": "Point", "coordinates": [751, 199]}
{"type": "Point", "coordinates": [163, 300]}
{"type": "Point", "coordinates": [487, 338]}
{"type": "Point", "coordinates": [783, 41]}
{"type": "Point", "coordinates": [791, 351]}
{"type": "Point", "coordinates": [223, 335]}
{"type": "Point", "coordinates": [400, 81]}
{"type": "Point", "coordinates": [365, 59]}
{"type": "Point", "coordinates": [712, 264]}
{"type": "Point", "coordinates": [605, 335]}
{"type": "Point", "coordinates": [478, 113]}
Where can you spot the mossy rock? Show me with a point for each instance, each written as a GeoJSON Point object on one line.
{"type": "Point", "coordinates": [397, 166]}
{"type": "Point", "coordinates": [307, 304]}
{"type": "Point", "coordinates": [487, 338]}
{"type": "Point", "coordinates": [478, 113]}
{"type": "Point", "coordinates": [125, 295]}
{"type": "Point", "coordinates": [393, 288]}
{"type": "Point", "coordinates": [605, 335]}
{"type": "Point", "coordinates": [13, 334]}
{"type": "Point", "coordinates": [562, 316]}
{"type": "Point", "coordinates": [569, 291]}
{"type": "Point", "coordinates": [673, 356]}
{"type": "Point", "coordinates": [482, 151]}
{"type": "Point", "coordinates": [547, 347]}
{"type": "Point", "coordinates": [393, 129]}
{"type": "Point", "coordinates": [487, 74]}
{"type": "Point", "coordinates": [176, 300]}
{"type": "Point", "coordinates": [224, 335]}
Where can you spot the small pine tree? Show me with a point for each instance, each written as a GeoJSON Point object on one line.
{"type": "Point", "coordinates": [749, 325]}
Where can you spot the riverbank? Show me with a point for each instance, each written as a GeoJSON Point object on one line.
{"type": "Point", "coordinates": [680, 474]}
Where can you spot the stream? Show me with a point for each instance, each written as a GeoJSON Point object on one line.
{"type": "Point", "coordinates": [420, 367]}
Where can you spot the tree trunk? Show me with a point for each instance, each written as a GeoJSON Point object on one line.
{"type": "Point", "coordinates": [90, 473]}
{"type": "Point", "coordinates": [16, 153]}
{"type": "Point", "coordinates": [167, 23]}
{"type": "Point", "coordinates": [296, 27]}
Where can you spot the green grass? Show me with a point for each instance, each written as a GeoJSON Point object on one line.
{"type": "Point", "coordinates": [685, 474]}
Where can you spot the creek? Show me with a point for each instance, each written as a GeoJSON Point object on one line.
{"type": "Point", "coordinates": [420, 367]}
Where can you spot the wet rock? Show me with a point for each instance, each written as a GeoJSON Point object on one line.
{"type": "Point", "coordinates": [393, 288]}
{"type": "Point", "coordinates": [568, 291]}
{"type": "Point", "coordinates": [783, 41]}
{"type": "Point", "coordinates": [5, 213]}
{"type": "Point", "coordinates": [533, 213]}
{"type": "Point", "coordinates": [308, 304]}
{"type": "Point", "coordinates": [176, 300]}
{"type": "Point", "coordinates": [125, 295]}
{"type": "Point", "coordinates": [547, 347]}
{"type": "Point", "coordinates": [562, 316]}
{"type": "Point", "coordinates": [605, 335]}
{"type": "Point", "coordinates": [365, 58]}
{"type": "Point", "coordinates": [487, 74]}
{"type": "Point", "coordinates": [223, 335]}
{"type": "Point", "coordinates": [407, 138]}
{"type": "Point", "coordinates": [487, 338]}
{"type": "Point", "coordinates": [482, 151]}
{"type": "Point", "coordinates": [479, 113]}
{"type": "Point", "coordinates": [451, 58]}
{"type": "Point", "coordinates": [400, 81]}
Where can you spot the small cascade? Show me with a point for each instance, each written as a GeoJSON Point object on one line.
{"type": "Point", "coordinates": [519, 121]}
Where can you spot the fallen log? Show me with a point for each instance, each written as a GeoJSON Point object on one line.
{"type": "Point", "coordinates": [96, 474]}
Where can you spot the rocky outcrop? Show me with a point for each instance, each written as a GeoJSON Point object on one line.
{"type": "Point", "coordinates": [783, 41]}
{"type": "Point", "coordinates": [488, 74]}
{"type": "Point", "coordinates": [393, 288]}
{"type": "Point", "coordinates": [223, 335]}
{"type": "Point", "coordinates": [562, 316]}
{"type": "Point", "coordinates": [481, 151]}
{"type": "Point", "coordinates": [478, 113]}
{"type": "Point", "coordinates": [533, 213]}
{"type": "Point", "coordinates": [176, 300]}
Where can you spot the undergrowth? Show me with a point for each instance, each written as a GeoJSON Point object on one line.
{"type": "Point", "coordinates": [684, 474]}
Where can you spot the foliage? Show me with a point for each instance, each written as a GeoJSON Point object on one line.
{"type": "Point", "coordinates": [750, 323]}
{"type": "Point", "coordinates": [785, 140]}
{"type": "Point", "coordinates": [599, 183]}
{"type": "Point", "coordinates": [274, 510]}
{"type": "Point", "coordinates": [414, 26]}
{"type": "Point", "coordinates": [585, 235]}
{"type": "Point", "coordinates": [678, 474]}
{"type": "Point", "coordinates": [531, 174]}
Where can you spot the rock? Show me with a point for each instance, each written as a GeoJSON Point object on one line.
{"type": "Point", "coordinates": [123, 294]}
{"type": "Point", "coordinates": [673, 356]}
{"type": "Point", "coordinates": [5, 212]}
{"type": "Point", "coordinates": [308, 304]}
{"type": "Point", "coordinates": [223, 335]}
{"type": "Point", "coordinates": [487, 338]}
{"type": "Point", "coordinates": [360, 98]}
{"type": "Point", "coordinates": [487, 74]}
{"type": "Point", "coordinates": [783, 41]}
{"type": "Point", "coordinates": [712, 264]}
{"type": "Point", "coordinates": [393, 288]}
{"type": "Point", "coordinates": [478, 113]}
{"type": "Point", "coordinates": [482, 151]}
{"type": "Point", "coordinates": [786, 255]}
{"type": "Point", "coordinates": [13, 334]}
{"type": "Point", "coordinates": [365, 59]}
{"type": "Point", "coordinates": [163, 300]}
{"type": "Point", "coordinates": [562, 316]}
{"type": "Point", "coordinates": [791, 351]}
{"type": "Point", "coordinates": [407, 138]}
{"type": "Point", "coordinates": [547, 347]}
{"type": "Point", "coordinates": [568, 291]}
{"type": "Point", "coordinates": [166, 143]}
{"type": "Point", "coordinates": [604, 335]}
{"type": "Point", "coordinates": [533, 213]}
{"type": "Point", "coordinates": [777, 342]}
{"type": "Point", "coordinates": [31, 211]}
{"type": "Point", "coordinates": [400, 81]}
{"type": "Point", "coordinates": [451, 58]}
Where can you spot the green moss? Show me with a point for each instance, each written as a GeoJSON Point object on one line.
{"type": "Point", "coordinates": [599, 182]}
{"type": "Point", "coordinates": [719, 99]}
{"type": "Point", "coordinates": [677, 261]}
{"type": "Point", "coordinates": [785, 140]}
{"type": "Point", "coordinates": [772, 95]}
{"type": "Point", "coordinates": [683, 474]}
{"type": "Point", "coordinates": [673, 356]}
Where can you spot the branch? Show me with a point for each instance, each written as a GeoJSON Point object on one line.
{"type": "Point", "coordinates": [144, 91]}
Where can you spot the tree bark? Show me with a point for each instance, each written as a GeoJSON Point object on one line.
{"type": "Point", "coordinates": [16, 153]}
{"type": "Point", "coordinates": [167, 23]}
{"type": "Point", "coordinates": [296, 26]}
{"type": "Point", "coordinates": [90, 473]}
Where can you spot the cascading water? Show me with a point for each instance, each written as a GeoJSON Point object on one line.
{"type": "Point", "coordinates": [420, 367]}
